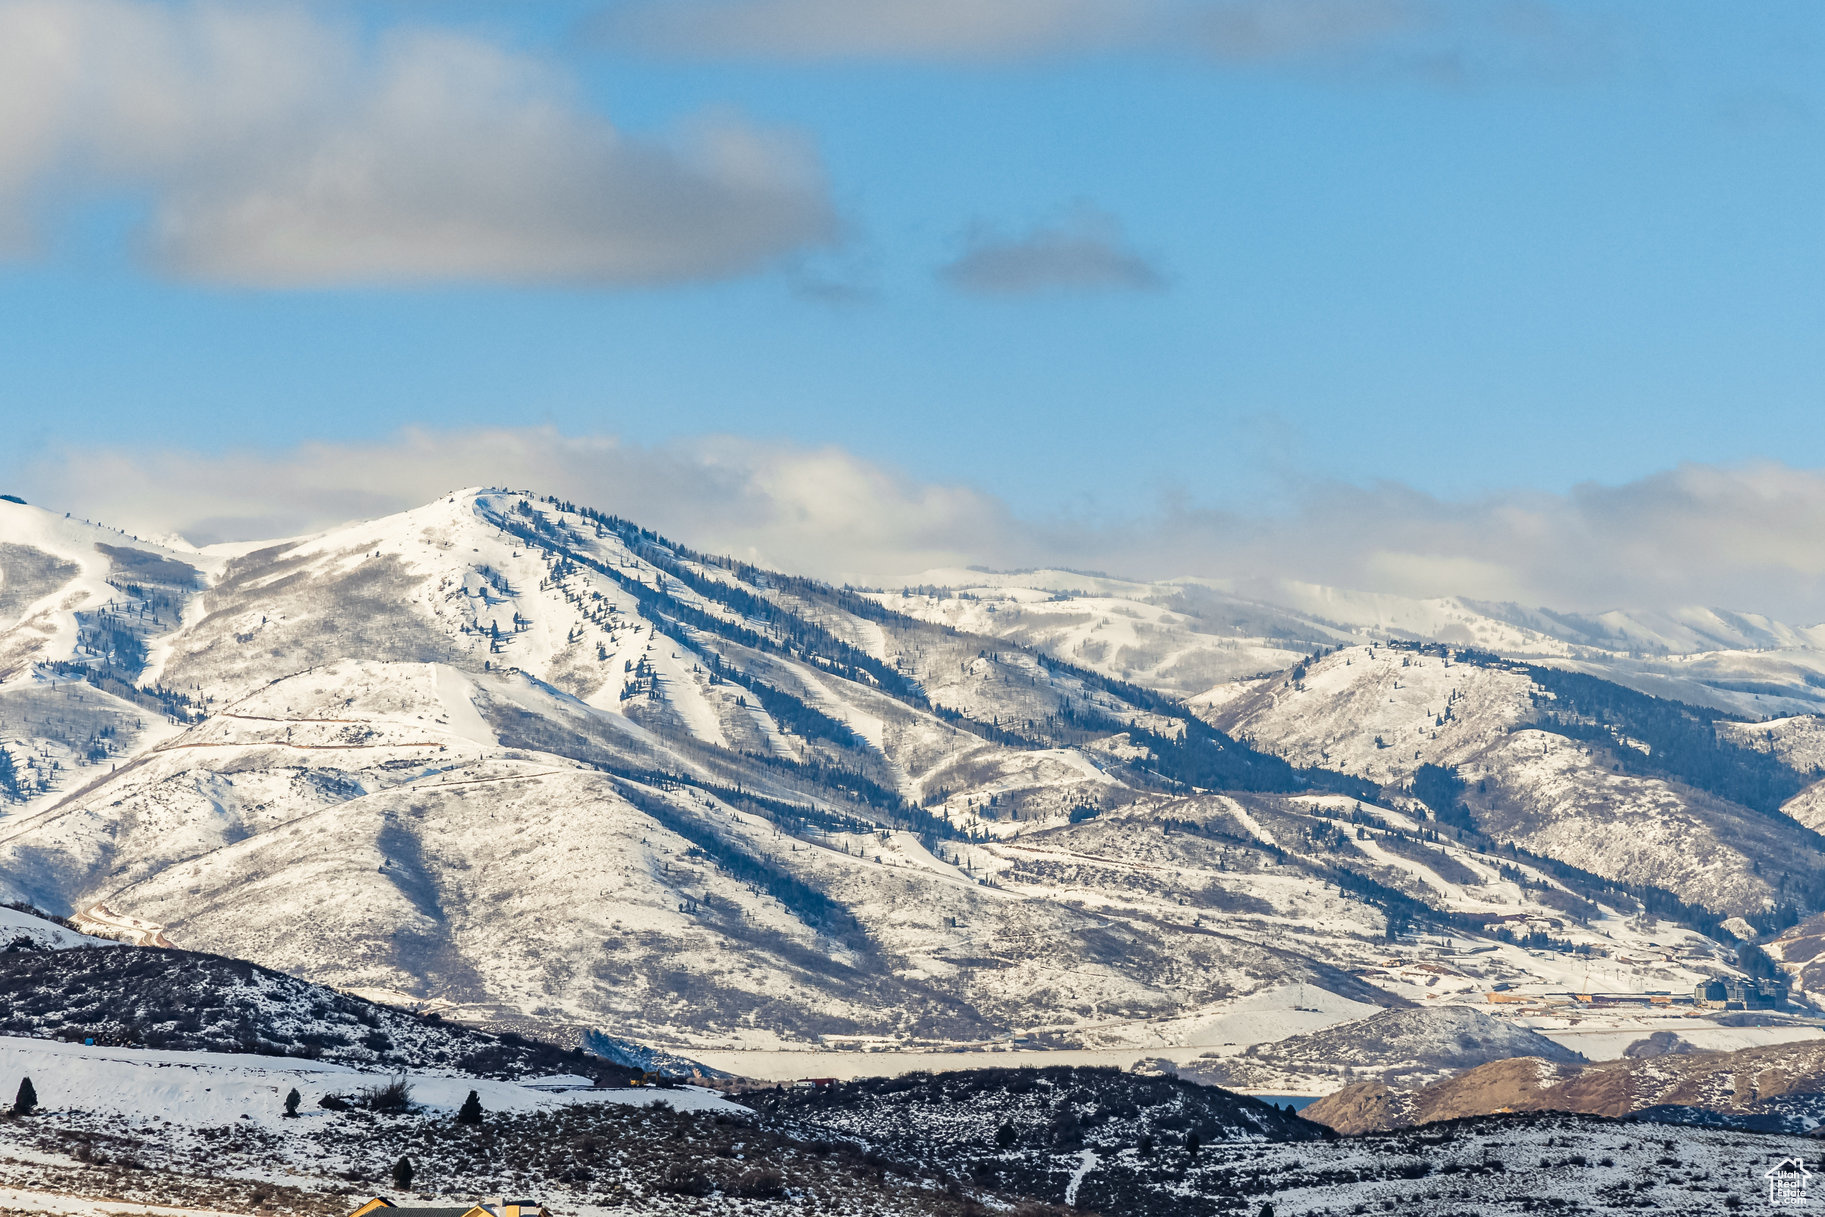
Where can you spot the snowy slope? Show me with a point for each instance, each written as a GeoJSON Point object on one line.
{"type": "Point", "coordinates": [82, 602]}
{"type": "Point", "coordinates": [22, 930]}
{"type": "Point", "coordinates": [53, 569]}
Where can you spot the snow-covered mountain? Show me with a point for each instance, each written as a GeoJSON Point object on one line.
{"type": "Point", "coordinates": [544, 767]}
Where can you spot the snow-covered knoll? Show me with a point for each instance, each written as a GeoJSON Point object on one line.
{"type": "Point", "coordinates": [21, 930]}
{"type": "Point", "coordinates": [1382, 712]}
{"type": "Point", "coordinates": [169, 999]}
{"type": "Point", "coordinates": [1408, 1046]}
{"type": "Point", "coordinates": [1551, 775]}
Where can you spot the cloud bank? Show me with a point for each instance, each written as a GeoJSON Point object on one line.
{"type": "Point", "coordinates": [1086, 251]}
{"type": "Point", "coordinates": [278, 149]}
{"type": "Point", "coordinates": [819, 510]}
{"type": "Point", "coordinates": [1750, 537]}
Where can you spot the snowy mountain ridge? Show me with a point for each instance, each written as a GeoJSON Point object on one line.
{"type": "Point", "coordinates": [1187, 630]}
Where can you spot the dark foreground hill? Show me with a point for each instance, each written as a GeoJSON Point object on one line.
{"type": "Point", "coordinates": [647, 1160]}
{"type": "Point", "coordinates": [153, 998]}
{"type": "Point", "coordinates": [1096, 1137]}
{"type": "Point", "coordinates": [658, 1162]}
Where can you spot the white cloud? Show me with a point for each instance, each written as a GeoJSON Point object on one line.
{"type": "Point", "coordinates": [1750, 537]}
{"type": "Point", "coordinates": [277, 149]}
{"type": "Point", "coordinates": [1442, 41]}
{"type": "Point", "coordinates": [880, 29]}
{"type": "Point", "coordinates": [1086, 251]}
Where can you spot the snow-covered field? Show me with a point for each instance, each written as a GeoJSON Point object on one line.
{"type": "Point", "coordinates": [21, 1200]}
{"type": "Point", "coordinates": [208, 1089]}
{"type": "Point", "coordinates": [1606, 1041]}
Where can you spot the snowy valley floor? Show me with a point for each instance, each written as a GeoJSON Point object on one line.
{"type": "Point", "coordinates": [1596, 1039]}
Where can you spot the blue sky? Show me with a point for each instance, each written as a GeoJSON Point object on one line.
{"type": "Point", "coordinates": [1469, 249]}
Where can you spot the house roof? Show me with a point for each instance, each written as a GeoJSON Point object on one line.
{"type": "Point", "coordinates": [1792, 1166]}
{"type": "Point", "coordinates": [379, 1204]}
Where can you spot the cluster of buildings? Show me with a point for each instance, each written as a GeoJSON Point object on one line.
{"type": "Point", "coordinates": [1734, 993]}
{"type": "Point", "coordinates": [1718, 993]}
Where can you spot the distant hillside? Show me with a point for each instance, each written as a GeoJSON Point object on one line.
{"type": "Point", "coordinates": [1408, 1045]}
{"type": "Point", "coordinates": [1777, 1088]}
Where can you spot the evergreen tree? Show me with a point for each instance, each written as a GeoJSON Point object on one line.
{"type": "Point", "coordinates": [1004, 1136]}
{"type": "Point", "coordinates": [471, 1111]}
{"type": "Point", "coordinates": [291, 1102]}
{"type": "Point", "coordinates": [402, 1169]}
{"type": "Point", "coordinates": [27, 1101]}
{"type": "Point", "coordinates": [1192, 1144]}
